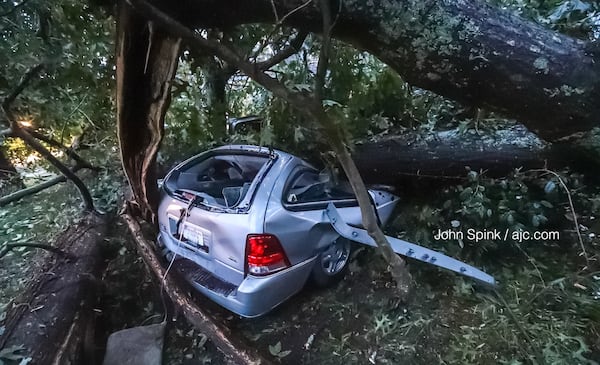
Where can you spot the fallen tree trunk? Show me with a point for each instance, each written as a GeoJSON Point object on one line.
{"type": "Point", "coordinates": [445, 155]}
{"type": "Point", "coordinates": [468, 51]}
{"type": "Point", "coordinates": [234, 349]}
{"type": "Point", "coordinates": [17, 195]}
{"type": "Point", "coordinates": [52, 317]}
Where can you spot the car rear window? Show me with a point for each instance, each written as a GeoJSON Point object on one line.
{"type": "Point", "coordinates": [224, 177]}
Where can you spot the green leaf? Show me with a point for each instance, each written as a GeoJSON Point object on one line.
{"type": "Point", "coordinates": [327, 102]}
{"type": "Point", "coordinates": [275, 349]}
{"type": "Point", "coordinates": [298, 135]}
{"type": "Point", "coordinates": [550, 187]}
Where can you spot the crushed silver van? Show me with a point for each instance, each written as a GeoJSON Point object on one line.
{"type": "Point", "coordinates": [245, 225]}
{"type": "Point", "coordinates": [248, 226]}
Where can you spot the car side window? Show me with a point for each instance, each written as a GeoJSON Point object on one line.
{"type": "Point", "coordinates": [310, 186]}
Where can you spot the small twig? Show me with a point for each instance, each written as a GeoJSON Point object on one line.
{"type": "Point", "coordinates": [513, 316]}
{"type": "Point", "coordinates": [277, 26]}
{"type": "Point", "coordinates": [532, 261]}
{"type": "Point", "coordinates": [572, 207]}
{"type": "Point", "coordinates": [520, 327]}
{"type": "Point", "coordinates": [293, 11]}
{"type": "Point", "coordinates": [543, 291]}
{"type": "Point", "coordinates": [275, 11]}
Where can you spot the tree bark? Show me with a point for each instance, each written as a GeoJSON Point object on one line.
{"type": "Point", "coordinates": [445, 155]}
{"type": "Point", "coordinates": [465, 50]}
{"type": "Point", "coordinates": [216, 77]}
{"type": "Point", "coordinates": [52, 316]}
{"type": "Point", "coordinates": [146, 63]}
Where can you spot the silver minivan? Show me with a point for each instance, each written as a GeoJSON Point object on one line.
{"type": "Point", "coordinates": [246, 225]}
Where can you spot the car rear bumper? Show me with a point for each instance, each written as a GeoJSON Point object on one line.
{"type": "Point", "coordinates": [255, 295]}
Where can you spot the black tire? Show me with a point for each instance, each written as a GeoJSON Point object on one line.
{"type": "Point", "coordinates": [332, 263]}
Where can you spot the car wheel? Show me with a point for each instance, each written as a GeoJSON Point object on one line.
{"type": "Point", "coordinates": [331, 264]}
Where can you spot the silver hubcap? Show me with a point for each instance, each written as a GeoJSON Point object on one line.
{"type": "Point", "coordinates": [335, 257]}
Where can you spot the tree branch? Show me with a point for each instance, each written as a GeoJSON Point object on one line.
{"type": "Point", "coordinates": [325, 50]}
{"type": "Point", "coordinates": [10, 98]}
{"type": "Point", "coordinates": [18, 131]}
{"type": "Point", "coordinates": [69, 151]}
{"type": "Point", "coordinates": [279, 24]}
{"type": "Point", "coordinates": [151, 12]}
{"type": "Point", "coordinates": [17, 195]}
{"type": "Point", "coordinates": [39, 148]}
{"type": "Point", "coordinates": [293, 48]}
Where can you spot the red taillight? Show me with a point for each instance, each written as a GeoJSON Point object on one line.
{"type": "Point", "coordinates": [264, 254]}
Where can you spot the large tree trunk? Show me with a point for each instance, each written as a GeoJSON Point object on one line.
{"type": "Point", "coordinates": [216, 76]}
{"type": "Point", "coordinates": [20, 194]}
{"type": "Point", "coordinates": [445, 155]}
{"type": "Point", "coordinates": [54, 317]}
{"type": "Point", "coordinates": [146, 63]}
{"type": "Point", "coordinates": [465, 50]}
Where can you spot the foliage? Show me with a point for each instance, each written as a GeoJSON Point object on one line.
{"type": "Point", "coordinates": [578, 18]}
{"type": "Point", "coordinates": [74, 41]}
